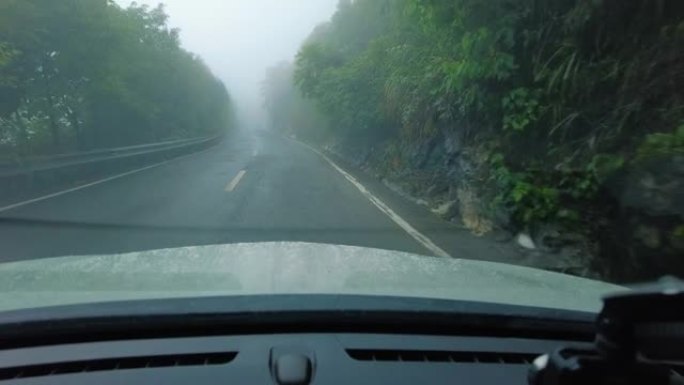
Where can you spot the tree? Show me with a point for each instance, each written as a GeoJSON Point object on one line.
{"type": "Point", "coordinates": [81, 74]}
{"type": "Point", "coordinates": [586, 88]}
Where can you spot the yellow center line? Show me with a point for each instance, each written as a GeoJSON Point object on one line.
{"type": "Point", "coordinates": [234, 183]}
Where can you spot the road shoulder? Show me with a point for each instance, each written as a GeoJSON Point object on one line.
{"type": "Point", "coordinates": [454, 239]}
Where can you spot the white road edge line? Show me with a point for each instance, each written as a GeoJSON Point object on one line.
{"type": "Point", "coordinates": [234, 183]}
{"type": "Point", "coordinates": [109, 179]}
{"type": "Point", "coordinates": [415, 234]}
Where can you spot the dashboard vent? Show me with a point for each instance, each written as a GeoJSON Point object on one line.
{"type": "Point", "coordinates": [442, 356]}
{"type": "Point", "coordinates": [111, 364]}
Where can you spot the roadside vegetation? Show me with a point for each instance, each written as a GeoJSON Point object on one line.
{"type": "Point", "coordinates": [563, 119]}
{"type": "Point", "coordinates": [84, 74]}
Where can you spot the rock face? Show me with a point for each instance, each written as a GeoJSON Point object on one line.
{"type": "Point", "coordinates": [442, 171]}
{"type": "Point", "coordinates": [656, 188]}
{"type": "Point", "coordinates": [642, 237]}
{"type": "Point", "coordinates": [649, 224]}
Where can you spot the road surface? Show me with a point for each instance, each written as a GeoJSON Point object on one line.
{"type": "Point", "coordinates": [253, 187]}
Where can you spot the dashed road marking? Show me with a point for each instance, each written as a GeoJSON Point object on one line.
{"type": "Point", "coordinates": [234, 183]}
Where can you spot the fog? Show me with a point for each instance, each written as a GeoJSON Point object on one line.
{"type": "Point", "coordinates": [239, 39]}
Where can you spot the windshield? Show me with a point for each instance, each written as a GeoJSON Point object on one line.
{"type": "Point", "coordinates": [478, 149]}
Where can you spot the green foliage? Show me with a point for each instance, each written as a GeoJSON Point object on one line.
{"type": "Point", "coordinates": [604, 165]}
{"type": "Point", "coordinates": [521, 109]}
{"type": "Point", "coordinates": [533, 196]}
{"type": "Point", "coordinates": [662, 144]}
{"type": "Point", "coordinates": [81, 74]}
{"type": "Point", "coordinates": [564, 86]}
{"type": "Point", "coordinates": [528, 200]}
{"type": "Point", "coordinates": [678, 233]}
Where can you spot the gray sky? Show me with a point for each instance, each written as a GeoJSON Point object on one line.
{"type": "Point", "coordinates": [239, 39]}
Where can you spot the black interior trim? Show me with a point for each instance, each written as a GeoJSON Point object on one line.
{"type": "Point", "coordinates": [286, 314]}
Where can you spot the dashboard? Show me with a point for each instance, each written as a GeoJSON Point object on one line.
{"type": "Point", "coordinates": [293, 358]}
{"type": "Point", "coordinates": [343, 339]}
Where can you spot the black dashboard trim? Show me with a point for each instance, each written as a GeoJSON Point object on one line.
{"type": "Point", "coordinates": [286, 314]}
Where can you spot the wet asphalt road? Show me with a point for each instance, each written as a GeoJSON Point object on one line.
{"type": "Point", "coordinates": [253, 187]}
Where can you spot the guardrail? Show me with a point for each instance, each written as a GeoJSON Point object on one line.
{"type": "Point", "coordinates": [31, 176]}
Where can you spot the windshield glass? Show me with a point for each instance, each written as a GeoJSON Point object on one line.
{"type": "Point", "coordinates": [527, 152]}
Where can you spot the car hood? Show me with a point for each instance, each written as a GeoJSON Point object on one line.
{"type": "Point", "coordinates": [286, 268]}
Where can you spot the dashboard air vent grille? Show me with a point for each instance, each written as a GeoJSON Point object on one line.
{"type": "Point", "coordinates": [110, 364]}
{"type": "Point", "coordinates": [442, 356]}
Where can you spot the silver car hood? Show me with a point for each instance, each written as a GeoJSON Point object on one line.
{"type": "Point", "coordinates": [286, 268]}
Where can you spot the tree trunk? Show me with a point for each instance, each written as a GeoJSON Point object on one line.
{"type": "Point", "coordinates": [54, 130]}
{"type": "Point", "coordinates": [78, 129]}
{"type": "Point", "coordinates": [22, 134]}
{"type": "Point", "coordinates": [54, 126]}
